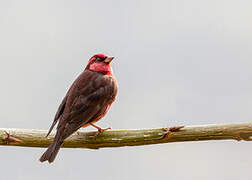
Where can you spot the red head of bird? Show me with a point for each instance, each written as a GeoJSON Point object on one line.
{"type": "Point", "coordinates": [100, 63]}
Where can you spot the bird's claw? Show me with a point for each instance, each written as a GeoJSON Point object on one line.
{"type": "Point", "coordinates": [100, 130]}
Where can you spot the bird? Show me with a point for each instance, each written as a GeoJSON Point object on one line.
{"type": "Point", "coordinates": [86, 102]}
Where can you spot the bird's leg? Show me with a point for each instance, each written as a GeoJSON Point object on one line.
{"type": "Point", "coordinates": [100, 130]}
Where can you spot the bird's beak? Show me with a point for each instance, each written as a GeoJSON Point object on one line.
{"type": "Point", "coordinates": [108, 59]}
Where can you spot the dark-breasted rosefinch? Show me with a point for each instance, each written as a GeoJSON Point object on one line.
{"type": "Point", "coordinates": [86, 102]}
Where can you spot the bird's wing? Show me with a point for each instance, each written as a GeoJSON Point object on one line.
{"type": "Point", "coordinates": [58, 114]}
{"type": "Point", "coordinates": [87, 105]}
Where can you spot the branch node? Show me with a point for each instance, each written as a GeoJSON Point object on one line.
{"type": "Point", "coordinates": [7, 138]}
{"type": "Point", "coordinates": [169, 130]}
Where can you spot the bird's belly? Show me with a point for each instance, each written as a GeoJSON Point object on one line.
{"type": "Point", "coordinates": [97, 118]}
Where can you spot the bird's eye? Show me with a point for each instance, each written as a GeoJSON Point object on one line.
{"type": "Point", "coordinates": [99, 59]}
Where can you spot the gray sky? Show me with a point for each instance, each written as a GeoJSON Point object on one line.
{"type": "Point", "coordinates": [177, 63]}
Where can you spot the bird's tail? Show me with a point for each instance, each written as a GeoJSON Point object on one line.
{"type": "Point", "coordinates": [52, 151]}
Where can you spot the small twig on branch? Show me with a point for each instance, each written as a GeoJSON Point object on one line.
{"type": "Point", "coordinates": [119, 138]}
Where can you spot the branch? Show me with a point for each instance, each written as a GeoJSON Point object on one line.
{"type": "Point", "coordinates": [119, 138]}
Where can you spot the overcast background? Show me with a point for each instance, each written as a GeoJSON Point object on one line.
{"type": "Point", "coordinates": [177, 63]}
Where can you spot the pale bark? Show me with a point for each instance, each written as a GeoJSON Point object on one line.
{"type": "Point", "coordinates": [119, 138]}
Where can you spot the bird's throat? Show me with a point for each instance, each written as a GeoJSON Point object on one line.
{"type": "Point", "coordinates": [101, 68]}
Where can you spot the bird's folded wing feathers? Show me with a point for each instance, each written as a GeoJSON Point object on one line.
{"type": "Point", "coordinates": [84, 108]}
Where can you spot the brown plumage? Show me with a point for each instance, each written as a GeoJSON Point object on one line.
{"type": "Point", "coordinates": [87, 101]}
